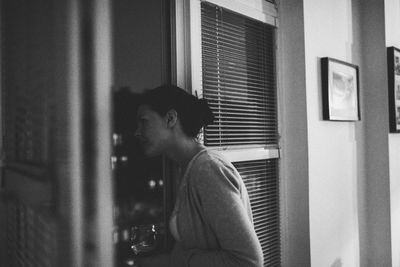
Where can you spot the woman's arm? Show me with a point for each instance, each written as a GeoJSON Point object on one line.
{"type": "Point", "coordinates": [217, 189]}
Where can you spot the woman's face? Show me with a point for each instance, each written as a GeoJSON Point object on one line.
{"type": "Point", "coordinates": [152, 131]}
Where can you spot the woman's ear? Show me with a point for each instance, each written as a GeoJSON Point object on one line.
{"type": "Point", "coordinates": [171, 118]}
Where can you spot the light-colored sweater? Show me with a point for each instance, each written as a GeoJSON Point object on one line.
{"type": "Point", "coordinates": [213, 217]}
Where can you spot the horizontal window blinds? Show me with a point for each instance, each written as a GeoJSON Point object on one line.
{"type": "Point", "coordinates": [238, 78]}
{"type": "Point", "coordinates": [28, 80]}
{"type": "Point", "coordinates": [263, 187]}
{"type": "Point", "coordinates": [31, 235]}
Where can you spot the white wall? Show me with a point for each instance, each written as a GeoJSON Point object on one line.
{"type": "Point", "coordinates": [375, 186]}
{"type": "Point", "coordinates": [293, 118]}
{"type": "Point", "coordinates": [394, 155]}
{"type": "Point", "coordinates": [392, 25]}
{"type": "Point", "coordinates": [349, 190]}
{"type": "Point", "coordinates": [333, 160]}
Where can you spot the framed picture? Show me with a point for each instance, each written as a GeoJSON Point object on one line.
{"type": "Point", "coordinates": [393, 61]}
{"type": "Point", "coordinates": [340, 90]}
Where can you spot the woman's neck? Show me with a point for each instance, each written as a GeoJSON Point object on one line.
{"type": "Point", "coordinates": [184, 150]}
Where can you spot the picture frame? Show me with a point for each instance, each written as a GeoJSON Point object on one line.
{"type": "Point", "coordinates": [340, 90]}
{"type": "Point", "coordinates": [393, 63]}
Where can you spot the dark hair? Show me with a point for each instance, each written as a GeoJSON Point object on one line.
{"type": "Point", "coordinates": [193, 113]}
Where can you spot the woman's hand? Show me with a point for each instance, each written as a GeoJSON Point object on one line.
{"type": "Point", "coordinates": [161, 260]}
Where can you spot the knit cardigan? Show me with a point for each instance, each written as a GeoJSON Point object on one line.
{"type": "Point", "coordinates": [213, 217]}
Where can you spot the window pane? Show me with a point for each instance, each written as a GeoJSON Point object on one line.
{"type": "Point", "coordinates": [238, 78]}
{"type": "Point", "coordinates": [238, 74]}
{"type": "Point", "coordinates": [260, 178]}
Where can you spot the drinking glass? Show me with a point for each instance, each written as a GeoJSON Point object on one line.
{"type": "Point", "coordinates": [144, 238]}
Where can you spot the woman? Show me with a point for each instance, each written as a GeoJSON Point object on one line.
{"type": "Point", "coordinates": [211, 221]}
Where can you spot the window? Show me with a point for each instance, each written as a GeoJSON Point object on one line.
{"type": "Point", "coordinates": [238, 78]}
{"type": "Point", "coordinates": [233, 66]}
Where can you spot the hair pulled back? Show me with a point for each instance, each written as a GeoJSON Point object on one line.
{"type": "Point", "coordinates": [193, 113]}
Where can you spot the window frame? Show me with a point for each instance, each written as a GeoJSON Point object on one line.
{"type": "Point", "coordinates": [189, 60]}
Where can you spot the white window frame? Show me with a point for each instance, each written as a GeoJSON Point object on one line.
{"type": "Point", "coordinates": [189, 58]}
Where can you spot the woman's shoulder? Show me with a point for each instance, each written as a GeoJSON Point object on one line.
{"type": "Point", "coordinates": [209, 158]}
{"type": "Point", "coordinates": [213, 166]}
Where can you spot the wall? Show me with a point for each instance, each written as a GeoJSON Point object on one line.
{"type": "Point", "coordinates": [332, 146]}
{"type": "Point", "coordinates": [349, 161]}
{"type": "Point", "coordinates": [2, 206]}
{"type": "Point", "coordinates": [376, 244]}
{"type": "Point", "coordinates": [293, 118]}
{"type": "Point", "coordinates": [392, 24]}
